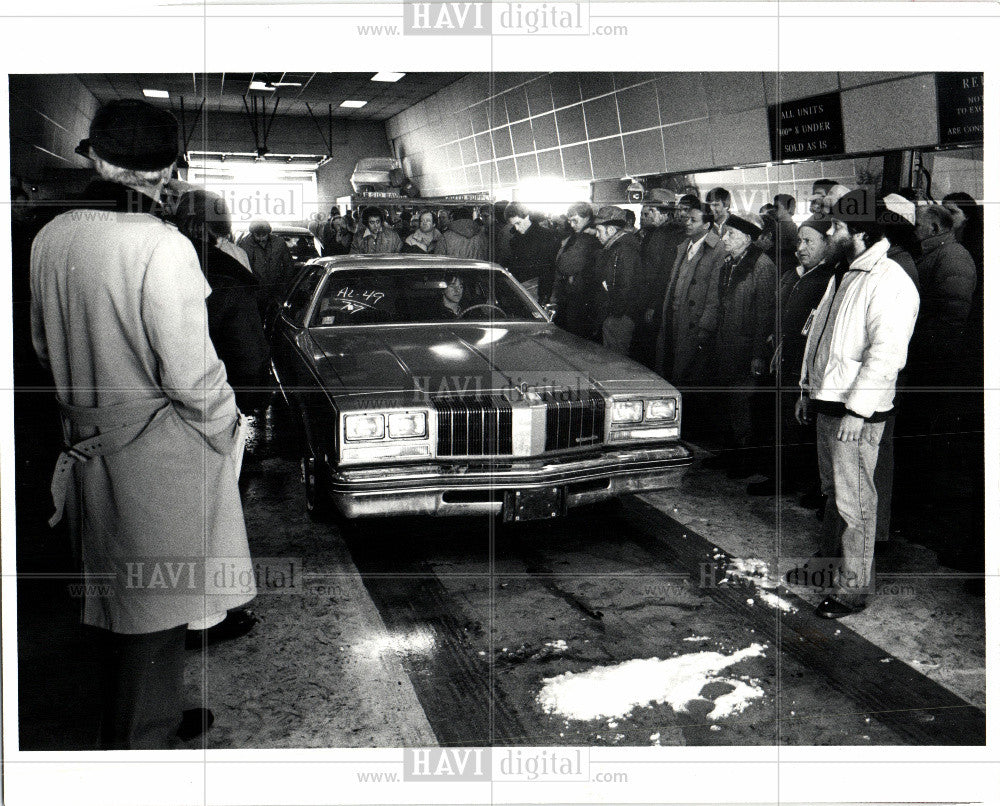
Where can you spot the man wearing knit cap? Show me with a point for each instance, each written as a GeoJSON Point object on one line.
{"type": "Point", "coordinates": [898, 217]}
{"type": "Point", "coordinates": [147, 480]}
{"type": "Point", "coordinates": [799, 293]}
{"type": "Point", "coordinates": [855, 349]}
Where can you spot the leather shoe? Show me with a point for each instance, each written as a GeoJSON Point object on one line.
{"type": "Point", "coordinates": [236, 624]}
{"type": "Point", "coordinates": [194, 722]}
{"type": "Point", "coordinates": [832, 607]}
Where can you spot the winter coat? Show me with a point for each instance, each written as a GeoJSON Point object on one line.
{"type": "Point", "coordinates": [947, 286]}
{"type": "Point", "coordinates": [798, 298]}
{"type": "Point", "coordinates": [581, 300]}
{"type": "Point", "coordinates": [465, 239]}
{"type": "Point", "coordinates": [786, 242]}
{"type": "Point", "coordinates": [419, 243]}
{"type": "Point", "coordinates": [236, 253]}
{"type": "Point", "coordinates": [876, 308]}
{"type": "Point", "coordinates": [619, 269]}
{"type": "Point", "coordinates": [332, 241]}
{"type": "Point", "coordinates": [533, 254]}
{"type": "Point", "coordinates": [747, 302]}
{"type": "Point", "coordinates": [659, 253]}
{"type": "Point", "coordinates": [118, 315]}
{"type": "Point", "coordinates": [906, 263]}
{"type": "Point", "coordinates": [235, 327]}
{"type": "Point", "coordinates": [272, 266]}
{"type": "Point", "coordinates": [690, 313]}
{"type": "Point", "coordinates": [386, 242]}
{"type": "Point", "coordinates": [503, 237]}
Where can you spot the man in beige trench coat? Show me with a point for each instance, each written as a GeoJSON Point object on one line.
{"type": "Point", "coordinates": [147, 480]}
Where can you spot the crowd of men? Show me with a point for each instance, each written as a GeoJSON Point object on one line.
{"type": "Point", "coordinates": [727, 304]}
{"type": "Point", "coordinates": [794, 326]}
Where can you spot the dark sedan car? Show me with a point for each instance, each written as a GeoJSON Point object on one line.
{"type": "Point", "coordinates": [437, 385]}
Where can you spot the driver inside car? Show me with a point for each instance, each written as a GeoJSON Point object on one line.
{"type": "Point", "coordinates": [451, 298]}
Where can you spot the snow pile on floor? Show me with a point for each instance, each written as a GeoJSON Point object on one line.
{"type": "Point", "coordinates": [615, 691]}
{"type": "Point", "coordinates": [756, 572]}
{"type": "Point", "coordinates": [732, 702]}
{"type": "Point", "coordinates": [750, 569]}
{"type": "Point", "coordinates": [772, 600]}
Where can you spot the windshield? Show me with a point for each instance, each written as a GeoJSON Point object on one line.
{"type": "Point", "coordinates": [417, 296]}
{"type": "Point", "coordinates": [301, 245]}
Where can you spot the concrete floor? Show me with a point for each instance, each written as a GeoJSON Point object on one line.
{"type": "Point", "coordinates": [925, 614]}
{"type": "Point", "coordinates": [445, 633]}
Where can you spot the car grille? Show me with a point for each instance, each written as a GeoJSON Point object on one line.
{"type": "Point", "coordinates": [477, 426]}
{"type": "Point", "coordinates": [573, 420]}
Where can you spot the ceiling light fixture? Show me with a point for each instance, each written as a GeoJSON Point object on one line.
{"type": "Point", "coordinates": [260, 86]}
{"type": "Point", "coordinates": [156, 93]}
{"type": "Point", "coordinates": [286, 83]}
{"type": "Point", "coordinates": [387, 77]}
{"type": "Point", "coordinates": [353, 104]}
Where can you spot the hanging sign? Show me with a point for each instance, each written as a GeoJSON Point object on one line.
{"type": "Point", "coordinates": [806, 128]}
{"type": "Point", "coordinates": [960, 107]}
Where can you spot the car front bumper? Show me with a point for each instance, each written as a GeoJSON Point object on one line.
{"type": "Point", "coordinates": [484, 488]}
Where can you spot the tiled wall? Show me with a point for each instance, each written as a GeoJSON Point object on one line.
{"type": "Point", "coordinates": [492, 131]}
{"type": "Point", "coordinates": [49, 116]}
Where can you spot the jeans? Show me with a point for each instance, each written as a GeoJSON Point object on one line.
{"type": "Point", "coordinates": [884, 478]}
{"type": "Point", "coordinates": [847, 476]}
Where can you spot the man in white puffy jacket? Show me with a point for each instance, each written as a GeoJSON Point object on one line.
{"type": "Point", "coordinates": [857, 342]}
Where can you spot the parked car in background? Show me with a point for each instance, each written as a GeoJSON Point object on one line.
{"type": "Point", "coordinates": [437, 385]}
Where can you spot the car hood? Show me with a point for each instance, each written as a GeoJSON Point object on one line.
{"type": "Point", "coordinates": [469, 359]}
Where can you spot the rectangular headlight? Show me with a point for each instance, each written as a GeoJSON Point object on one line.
{"type": "Point", "coordinates": [626, 411]}
{"type": "Point", "coordinates": [407, 424]}
{"type": "Point", "coordinates": [665, 409]}
{"type": "Point", "coordinates": [360, 427]}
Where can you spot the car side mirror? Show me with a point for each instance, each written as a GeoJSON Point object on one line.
{"type": "Point", "coordinates": [550, 311]}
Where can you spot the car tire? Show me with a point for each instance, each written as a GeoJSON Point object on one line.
{"type": "Point", "coordinates": [319, 505]}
